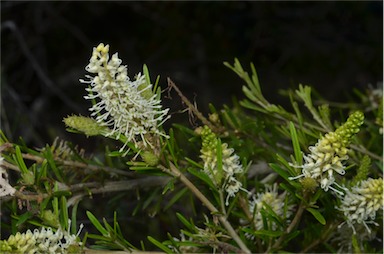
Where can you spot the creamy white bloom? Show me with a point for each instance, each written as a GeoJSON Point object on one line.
{"type": "Point", "coordinates": [5, 188]}
{"type": "Point", "coordinates": [361, 203]}
{"type": "Point", "coordinates": [326, 157]}
{"type": "Point", "coordinates": [230, 165]}
{"type": "Point", "coordinates": [42, 241]}
{"type": "Point", "coordinates": [129, 107]}
{"type": "Point", "coordinates": [342, 237]}
{"type": "Point", "coordinates": [274, 200]}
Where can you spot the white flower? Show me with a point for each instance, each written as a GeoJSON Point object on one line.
{"type": "Point", "coordinates": [5, 187]}
{"type": "Point", "coordinates": [327, 155]}
{"type": "Point", "coordinates": [325, 158]}
{"type": "Point", "coordinates": [361, 203]}
{"type": "Point", "coordinates": [42, 241]}
{"type": "Point", "coordinates": [342, 237]}
{"type": "Point", "coordinates": [274, 200]}
{"type": "Point", "coordinates": [224, 179]}
{"type": "Point", "coordinates": [129, 107]}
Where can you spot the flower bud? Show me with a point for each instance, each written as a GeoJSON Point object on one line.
{"type": "Point", "coordinates": [149, 158]}
{"type": "Point", "coordinates": [87, 125]}
{"type": "Point", "coordinates": [28, 178]}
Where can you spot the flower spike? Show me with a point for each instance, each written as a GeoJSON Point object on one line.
{"type": "Point", "coordinates": [128, 107]}
{"type": "Point", "coordinates": [327, 155]}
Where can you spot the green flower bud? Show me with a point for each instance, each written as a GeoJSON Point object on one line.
{"type": "Point", "coordinates": [209, 140]}
{"type": "Point", "coordinates": [28, 178]}
{"type": "Point", "coordinates": [149, 158]}
{"type": "Point", "coordinates": [87, 125]}
{"type": "Point", "coordinates": [214, 118]}
{"type": "Point", "coordinates": [362, 171]}
{"type": "Point", "coordinates": [350, 127]}
{"type": "Point", "coordinates": [327, 155]}
{"type": "Point", "coordinates": [50, 218]}
{"type": "Point", "coordinates": [198, 130]}
{"type": "Point", "coordinates": [309, 184]}
{"type": "Point", "coordinates": [4, 247]}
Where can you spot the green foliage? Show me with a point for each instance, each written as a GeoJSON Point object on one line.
{"type": "Point", "coordinates": [167, 196]}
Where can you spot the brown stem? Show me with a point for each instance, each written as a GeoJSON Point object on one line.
{"type": "Point", "coordinates": [176, 173]}
{"type": "Point", "coordinates": [291, 226]}
{"type": "Point", "coordinates": [319, 240]}
{"type": "Point", "coordinates": [191, 106]}
{"type": "Point", "coordinates": [77, 164]}
{"type": "Point", "coordinates": [30, 197]}
{"type": "Point", "coordinates": [69, 163]}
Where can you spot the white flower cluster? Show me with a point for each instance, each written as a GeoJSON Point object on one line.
{"type": "Point", "coordinates": [327, 155]}
{"type": "Point", "coordinates": [5, 187]}
{"type": "Point", "coordinates": [225, 178]}
{"type": "Point", "coordinates": [230, 165]}
{"type": "Point", "coordinates": [343, 237]}
{"type": "Point", "coordinates": [361, 203]}
{"type": "Point", "coordinates": [274, 200]}
{"type": "Point", "coordinates": [325, 158]}
{"type": "Point", "coordinates": [129, 107]}
{"type": "Point", "coordinates": [41, 241]}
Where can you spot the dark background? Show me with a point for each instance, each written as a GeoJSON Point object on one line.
{"type": "Point", "coordinates": [334, 46]}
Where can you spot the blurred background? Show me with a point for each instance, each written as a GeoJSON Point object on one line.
{"type": "Point", "coordinates": [333, 46]}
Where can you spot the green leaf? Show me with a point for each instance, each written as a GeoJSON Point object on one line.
{"type": "Point", "coordinates": [175, 198]}
{"type": "Point", "coordinates": [97, 224]}
{"type": "Point", "coordinates": [262, 232]}
{"type": "Point", "coordinates": [64, 213]}
{"type": "Point", "coordinates": [20, 161]}
{"type": "Point", "coordinates": [305, 94]}
{"type": "Point", "coordinates": [23, 218]}
{"type": "Point", "coordinates": [146, 74]}
{"type": "Point", "coordinates": [159, 245]}
{"type": "Point", "coordinates": [186, 223]}
{"type": "Point", "coordinates": [202, 176]}
{"type": "Point", "coordinates": [170, 186]}
{"type": "Point", "coordinates": [317, 215]}
{"type": "Point", "coordinates": [3, 138]}
{"type": "Point", "coordinates": [74, 218]}
{"type": "Point", "coordinates": [42, 172]}
{"type": "Point", "coordinates": [279, 170]}
{"type": "Point", "coordinates": [44, 204]}
{"type": "Point", "coordinates": [49, 156]}
{"type": "Point", "coordinates": [295, 143]}
{"type": "Point", "coordinates": [296, 109]}
{"type": "Point", "coordinates": [171, 145]}
{"type": "Point", "coordinates": [55, 205]}
{"type": "Point", "coordinates": [184, 129]}
{"type": "Point", "coordinates": [325, 115]}
{"type": "Point", "coordinates": [194, 163]}
{"type": "Point", "coordinates": [230, 117]}
{"type": "Point", "coordinates": [219, 156]}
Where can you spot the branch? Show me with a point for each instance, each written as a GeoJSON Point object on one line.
{"type": "Point", "coordinates": [290, 227]}
{"type": "Point", "coordinates": [77, 164]}
{"type": "Point", "coordinates": [199, 115]}
{"type": "Point", "coordinates": [176, 173]}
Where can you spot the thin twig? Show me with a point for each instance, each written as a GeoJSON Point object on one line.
{"type": "Point", "coordinates": [319, 240]}
{"type": "Point", "coordinates": [77, 164]}
{"type": "Point", "coordinates": [97, 188]}
{"type": "Point", "coordinates": [30, 197]}
{"type": "Point", "coordinates": [363, 150]}
{"type": "Point", "coordinates": [191, 106]}
{"type": "Point", "coordinates": [291, 226]}
{"type": "Point", "coordinates": [176, 173]}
